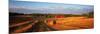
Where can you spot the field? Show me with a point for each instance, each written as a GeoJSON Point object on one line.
{"type": "Point", "coordinates": [30, 24]}
{"type": "Point", "coordinates": [72, 23]}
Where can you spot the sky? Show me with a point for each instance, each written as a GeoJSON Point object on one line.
{"type": "Point", "coordinates": [83, 2]}
{"type": "Point", "coordinates": [28, 7]}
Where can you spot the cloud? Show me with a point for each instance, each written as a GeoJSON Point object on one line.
{"type": "Point", "coordinates": [63, 9]}
{"type": "Point", "coordinates": [82, 2]}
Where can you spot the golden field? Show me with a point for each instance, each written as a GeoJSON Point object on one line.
{"type": "Point", "coordinates": [71, 23]}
